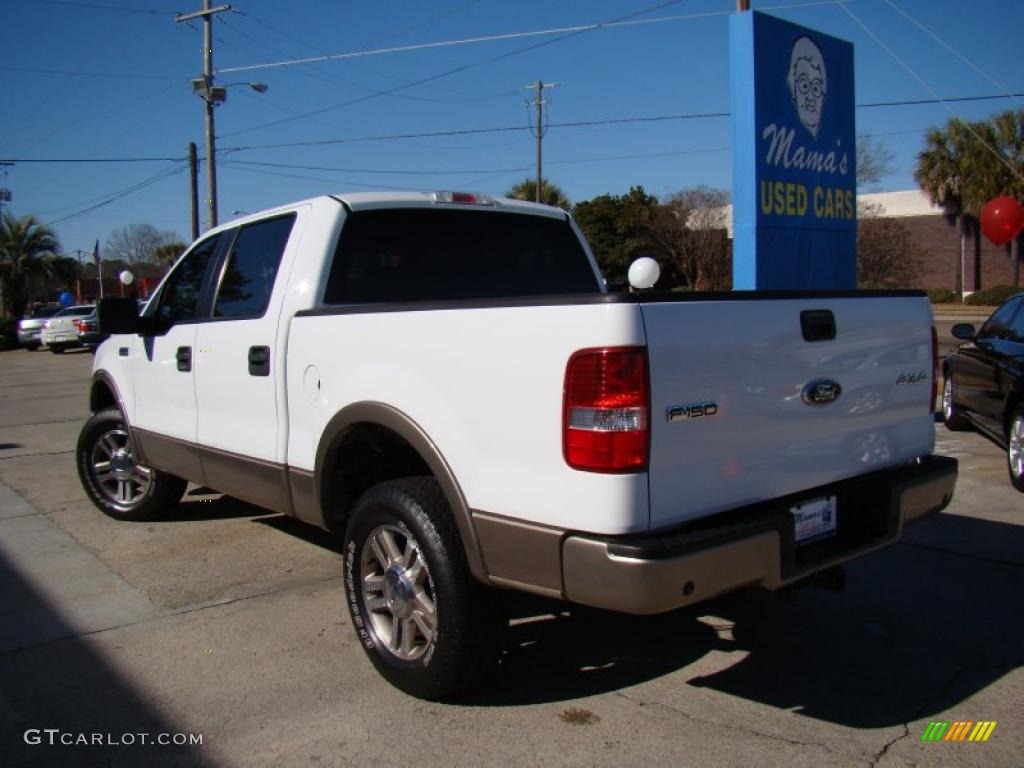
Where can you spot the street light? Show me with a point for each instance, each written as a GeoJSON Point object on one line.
{"type": "Point", "coordinates": [212, 95]}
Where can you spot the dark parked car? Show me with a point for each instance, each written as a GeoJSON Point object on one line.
{"type": "Point", "coordinates": [984, 382]}
{"type": "Point", "coordinates": [30, 328]}
{"type": "Point", "coordinates": [89, 331]}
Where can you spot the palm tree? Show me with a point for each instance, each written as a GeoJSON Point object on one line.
{"type": "Point", "coordinates": [27, 248]}
{"type": "Point", "coordinates": [940, 173]}
{"type": "Point", "coordinates": [550, 193]}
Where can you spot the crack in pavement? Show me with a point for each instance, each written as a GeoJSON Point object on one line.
{"type": "Point", "coordinates": [933, 701]}
{"type": "Point", "coordinates": [43, 423]}
{"type": "Point", "coordinates": [885, 748]}
{"type": "Point", "coordinates": [169, 614]}
{"type": "Point", "coordinates": [731, 726]}
{"type": "Point", "coordinates": [30, 455]}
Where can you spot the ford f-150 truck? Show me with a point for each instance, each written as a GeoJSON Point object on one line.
{"type": "Point", "coordinates": [445, 380]}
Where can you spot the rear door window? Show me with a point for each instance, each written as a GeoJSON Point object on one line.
{"type": "Point", "coordinates": [429, 254]}
{"type": "Point", "coordinates": [248, 277]}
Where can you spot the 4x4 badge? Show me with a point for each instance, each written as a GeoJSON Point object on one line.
{"type": "Point", "coordinates": [821, 392]}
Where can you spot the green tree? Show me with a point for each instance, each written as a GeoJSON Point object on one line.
{"type": "Point", "coordinates": [550, 193]}
{"type": "Point", "coordinates": [27, 249]}
{"type": "Point", "coordinates": [940, 172]}
{"type": "Point", "coordinates": [998, 169]}
{"type": "Point", "coordinates": [168, 253]}
{"type": "Point", "coordinates": [620, 228]}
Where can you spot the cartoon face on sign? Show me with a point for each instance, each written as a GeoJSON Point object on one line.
{"type": "Point", "coordinates": [808, 83]}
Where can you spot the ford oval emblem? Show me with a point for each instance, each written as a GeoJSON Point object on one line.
{"type": "Point", "coordinates": [821, 392]}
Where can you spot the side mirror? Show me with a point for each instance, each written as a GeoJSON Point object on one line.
{"type": "Point", "coordinates": [118, 316]}
{"type": "Point", "coordinates": [644, 273]}
{"type": "Point", "coordinates": [964, 331]}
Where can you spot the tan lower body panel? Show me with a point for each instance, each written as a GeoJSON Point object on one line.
{"type": "Point", "coordinates": [595, 577]}
{"type": "Point", "coordinates": [521, 555]}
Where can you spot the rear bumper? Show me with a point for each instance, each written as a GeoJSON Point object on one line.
{"type": "Point", "coordinates": [753, 546]}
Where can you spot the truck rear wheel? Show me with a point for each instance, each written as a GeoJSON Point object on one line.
{"type": "Point", "coordinates": [112, 477]}
{"type": "Point", "coordinates": [426, 625]}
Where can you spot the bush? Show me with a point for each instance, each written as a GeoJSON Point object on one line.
{"type": "Point", "coordinates": [8, 333]}
{"type": "Point", "coordinates": [992, 297]}
{"type": "Point", "coordinates": [942, 296]}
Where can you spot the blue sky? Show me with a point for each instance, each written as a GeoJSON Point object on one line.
{"type": "Point", "coordinates": [110, 79]}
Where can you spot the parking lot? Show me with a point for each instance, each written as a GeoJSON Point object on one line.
{"type": "Point", "coordinates": [229, 622]}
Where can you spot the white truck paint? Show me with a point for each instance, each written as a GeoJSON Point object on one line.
{"type": "Point", "coordinates": [740, 413]}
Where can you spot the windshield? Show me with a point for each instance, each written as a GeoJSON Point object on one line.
{"type": "Point", "coordinates": [42, 312]}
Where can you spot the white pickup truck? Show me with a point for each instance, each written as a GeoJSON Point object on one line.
{"type": "Point", "coordinates": [445, 380]}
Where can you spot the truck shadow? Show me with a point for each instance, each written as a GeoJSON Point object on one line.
{"type": "Point", "coordinates": [54, 678]}
{"type": "Point", "coordinates": [920, 627]}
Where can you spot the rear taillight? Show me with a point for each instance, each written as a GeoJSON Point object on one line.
{"type": "Point", "coordinates": [935, 370]}
{"type": "Point", "coordinates": [605, 410]}
{"type": "Point", "coordinates": [78, 324]}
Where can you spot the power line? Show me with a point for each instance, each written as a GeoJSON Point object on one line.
{"type": "Point", "coordinates": [948, 47]}
{"type": "Point", "coordinates": [78, 73]}
{"type": "Point", "coordinates": [588, 123]}
{"type": "Point", "coordinates": [93, 160]}
{"type": "Point", "coordinates": [455, 70]}
{"type": "Point", "coordinates": [103, 6]}
{"type": "Point", "coordinates": [157, 177]}
{"type": "Point", "coordinates": [626, 21]}
{"type": "Point", "coordinates": [945, 102]}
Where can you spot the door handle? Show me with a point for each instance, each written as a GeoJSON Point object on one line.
{"type": "Point", "coordinates": [184, 358]}
{"type": "Point", "coordinates": [259, 361]}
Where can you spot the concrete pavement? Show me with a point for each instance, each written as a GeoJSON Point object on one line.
{"type": "Point", "coordinates": [228, 622]}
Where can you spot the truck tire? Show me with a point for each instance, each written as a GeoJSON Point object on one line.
{"type": "Point", "coordinates": [31, 347]}
{"type": "Point", "coordinates": [1015, 447]}
{"type": "Point", "coordinates": [426, 625]}
{"type": "Point", "coordinates": [57, 349]}
{"type": "Point", "coordinates": [952, 417]}
{"type": "Point", "coordinates": [111, 477]}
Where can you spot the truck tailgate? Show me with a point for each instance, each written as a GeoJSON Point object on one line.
{"type": "Point", "coordinates": [741, 399]}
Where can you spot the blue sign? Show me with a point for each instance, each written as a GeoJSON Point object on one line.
{"type": "Point", "coordinates": [794, 186]}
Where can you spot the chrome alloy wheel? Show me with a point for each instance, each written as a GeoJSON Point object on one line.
{"type": "Point", "coordinates": [398, 593]}
{"type": "Point", "coordinates": [115, 471]}
{"type": "Point", "coordinates": [1015, 447]}
{"type": "Point", "coordinates": [947, 399]}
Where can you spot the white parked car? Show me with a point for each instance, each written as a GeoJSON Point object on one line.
{"type": "Point", "coordinates": [445, 381]}
{"type": "Point", "coordinates": [60, 332]}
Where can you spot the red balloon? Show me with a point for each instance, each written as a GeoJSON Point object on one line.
{"type": "Point", "coordinates": [1002, 219]}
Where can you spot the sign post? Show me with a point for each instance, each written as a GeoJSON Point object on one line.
{"type": "Point", "coordinates": [794, 157]}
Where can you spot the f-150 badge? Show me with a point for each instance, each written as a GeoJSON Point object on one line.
{"type": "Point", "coordinates": [821, 392]}
{"type": "Point", "coordinates": [690, 411]}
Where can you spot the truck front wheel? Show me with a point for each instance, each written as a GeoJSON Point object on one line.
{"type": "Point", "coordinates": [112, 477]}
{"type": "Point", "coordinates": [426, 625]}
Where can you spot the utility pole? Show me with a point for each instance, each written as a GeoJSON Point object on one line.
{"type": "Point", "coordinates": [78, 282]}
{"type": "Point", "coordinates": [211, 95]}
{"type": "Point", "coordinates": [742, 5]}
{"type": "Point", "coordinates": [193, 181]}
{"type": "Point", "coordinates": [538, 102]}
{"type": "Point", "coordinates": [5, 193]}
